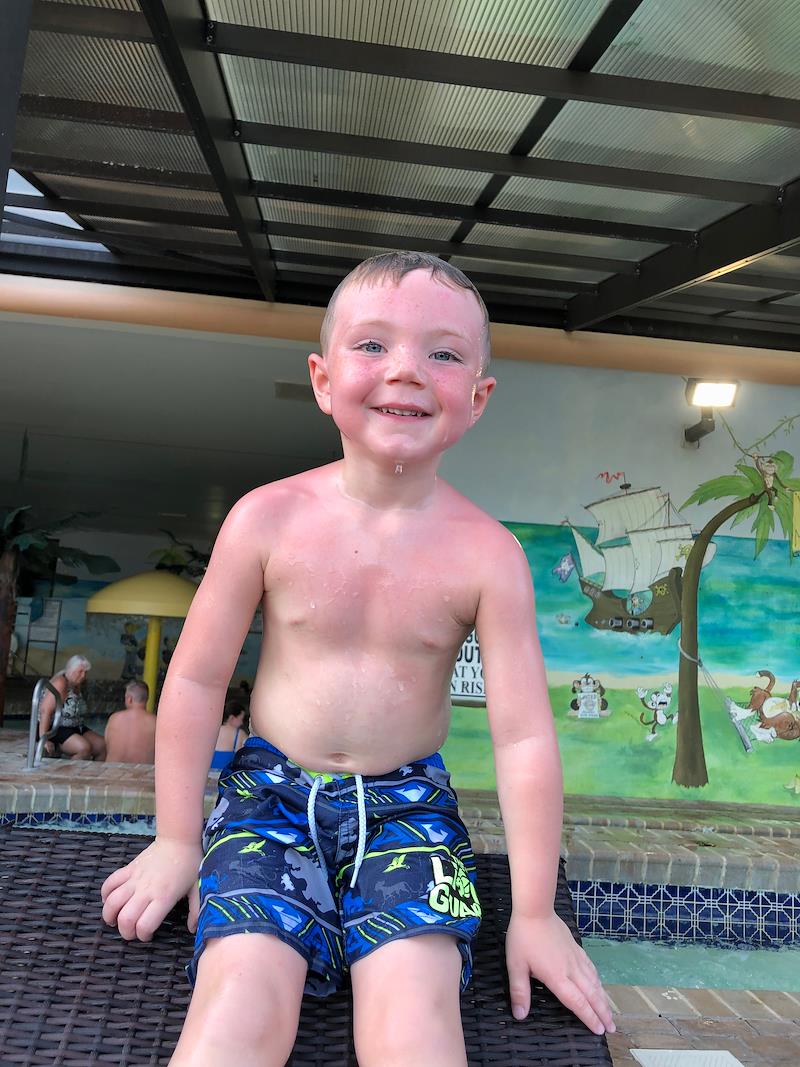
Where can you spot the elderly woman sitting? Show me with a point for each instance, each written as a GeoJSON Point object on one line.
{"type": "Point", "coordinates": [73, 736]}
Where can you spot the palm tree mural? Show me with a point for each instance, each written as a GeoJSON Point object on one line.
{"type": "Point", "coordinates": [762, 489]}
{"type": "Point", "coordinates": [36, 551]}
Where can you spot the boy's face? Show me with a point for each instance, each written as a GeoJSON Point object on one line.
{"type": "Point", "coordinates": [402, 372]}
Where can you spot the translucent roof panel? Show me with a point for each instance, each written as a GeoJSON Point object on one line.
{"type": "Point", "coordinates": [369, 105]}
{"type": "Point", "coordinates": [158, 196]}
{"type": "Point", "coordinates": [723, 290]}
{"type": "Point", "coordinates": [325, 248]}
{"type": "Point", "coordinates": [529, 270]}
{"type": "Point", "coordinates": [363, 175]}
{"type": "Point", "coordinates": [779, 265]}
{"type": "Point", "coordinates": [576, 244]}
{"type": "Point", "coordinates": [521, 31]}
{"type": "Point", "coordinates": [615, 205]}
{"type": "Point", "coordinates": [727, 44]}
{"type": "Point", "coordinates": [17, 184]}
{"type": "Point", "coordinates": [348, 218]}
{"type": "Point", "coordinates": [111, 144]}
{"type": "Point", "coordinates": [671, 143]}
{"type": "Point", "coordinates": [130, 73]}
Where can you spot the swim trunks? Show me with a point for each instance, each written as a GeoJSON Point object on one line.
{"type": "Point", "coordinates": [335, 865]}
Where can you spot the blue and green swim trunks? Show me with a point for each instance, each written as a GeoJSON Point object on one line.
{"type": "Point", "coordinates": [335, 865]}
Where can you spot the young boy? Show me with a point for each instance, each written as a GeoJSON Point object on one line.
{"type": "Point", "coordinates": [336, 838]}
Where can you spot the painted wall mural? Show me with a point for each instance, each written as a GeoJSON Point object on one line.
{"type": "Point", "coordinates": [672, 658]}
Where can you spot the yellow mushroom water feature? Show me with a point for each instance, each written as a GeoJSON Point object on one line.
{"type": "Point", "coordinates": [155, 594]}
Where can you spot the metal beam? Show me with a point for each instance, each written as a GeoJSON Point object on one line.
{"type": "Point", "coordinates": [178, 28]}
{"type": "Point", "coordinates": [132, 212]}
{"type": "Point", "coordinates": [95, 170]}
{"type": "Point", "coordinates": [614, 17]}
{"type": "Point", "coordinates": [65, 109]}
{"type": "Point", "coordinates": [438, 209]}
{"type": "Point", "coordinates": [45, 261]}
{"type": "Point", "coordinates": [170, 122]}
{"type": "Point", "coordinates": [556, 83]}
{"type": "Point", "coordinates": [502, 253]}
{"type": "Point", "coordinates": [557, 170]}
{"type": "Point", "coordinates": [688, 327]}
{"type": "Point", "coordinates": [138, 242]}
{"type": "Point", "coordinates": [15, 21]}
{"type": "Point", "coordinates": [90, 22]}
{"type": "Point", "coordinates": [736, 241]}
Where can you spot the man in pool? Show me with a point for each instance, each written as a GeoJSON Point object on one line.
{"type": "Point", "coordinates": [336, 842]}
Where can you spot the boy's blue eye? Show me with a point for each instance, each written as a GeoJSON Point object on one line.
{"type": "Point", "coordinates": [443, 356]}
{"type": "Point", "coordinates": [371, 346]}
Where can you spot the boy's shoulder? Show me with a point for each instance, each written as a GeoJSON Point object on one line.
{"type": "Point", "coordinates": [276, 499]}
{"type": "Point", "coordinates": [488, 536]}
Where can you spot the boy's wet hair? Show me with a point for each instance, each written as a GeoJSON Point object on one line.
{"type": "Point", "coordinates": [395, 266]}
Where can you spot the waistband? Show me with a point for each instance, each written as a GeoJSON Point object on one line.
{"type": "Point", "coordinates": [254, 741]}
{"type": "Point", "coordinates": [320, 777]}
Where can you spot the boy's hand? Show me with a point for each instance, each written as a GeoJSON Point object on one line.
{"type": "Point", "coordinates": [544, 947]}
{"type": "Point", "coordinates": [137, 897]}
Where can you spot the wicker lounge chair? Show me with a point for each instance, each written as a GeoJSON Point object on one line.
{"type": "Point", "coordinates": [72, 992]}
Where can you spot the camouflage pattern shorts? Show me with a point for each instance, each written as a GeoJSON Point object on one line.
{"type": "Point", "coordinates": [282, 857]}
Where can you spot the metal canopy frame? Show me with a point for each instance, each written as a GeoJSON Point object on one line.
{"type": "Point", "coordinates": [281, 211]}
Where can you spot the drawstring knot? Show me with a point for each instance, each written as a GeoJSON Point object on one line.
{"type": "Point", "coordinates": [362, 824]}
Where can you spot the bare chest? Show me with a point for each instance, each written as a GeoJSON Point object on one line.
{"type": "Point", "coordinates": [416, 595]}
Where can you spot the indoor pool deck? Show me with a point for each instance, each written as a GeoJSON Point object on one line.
{"type": "Point", "coordinates": [605, 840]}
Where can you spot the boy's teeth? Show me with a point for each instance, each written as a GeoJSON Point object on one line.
{"type": "Point", "coordinates": [396, 411]}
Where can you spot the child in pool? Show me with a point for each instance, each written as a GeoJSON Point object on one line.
{"type": "Point", "coordinates": [336, 840]}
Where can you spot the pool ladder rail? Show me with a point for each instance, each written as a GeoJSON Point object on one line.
{"type": "Point", "coordinates": [36, 748]}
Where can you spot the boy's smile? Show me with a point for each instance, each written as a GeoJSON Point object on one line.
{"type": "Point", "coordinates": [401, 374]}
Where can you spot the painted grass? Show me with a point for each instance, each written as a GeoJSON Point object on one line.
{"type": "Point", "coordinates": [610, 757]}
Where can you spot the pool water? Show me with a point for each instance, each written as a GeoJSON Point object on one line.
{"type": "Point", "coordinates": [691, 966]}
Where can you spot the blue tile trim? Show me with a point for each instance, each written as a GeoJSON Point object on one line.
{"type": "Point", "coordinates": [74, 820]}
{"type": "Point", "coordinates": [676, 913]}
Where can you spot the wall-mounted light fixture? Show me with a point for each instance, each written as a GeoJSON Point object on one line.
{"type": "Point", "coordinates": [707, 395]}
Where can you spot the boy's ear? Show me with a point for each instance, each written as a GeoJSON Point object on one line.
{"type": "Point", "coordinates": [483, 390]}
{"type": "Point", "coordinates": [320, 382]}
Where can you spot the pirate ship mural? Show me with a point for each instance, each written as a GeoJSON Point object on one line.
{"type": "Point", "coordinates": [632, 571]}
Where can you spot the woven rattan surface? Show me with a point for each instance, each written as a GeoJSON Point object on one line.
{"type": "Point", "coordinates": [73, 993]}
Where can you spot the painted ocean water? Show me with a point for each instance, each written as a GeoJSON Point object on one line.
{"type": "Point", "coordinates": [748, 612]}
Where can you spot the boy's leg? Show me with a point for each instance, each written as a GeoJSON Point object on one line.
{"type": "Point", "coordinates": [406, 1008]}
{"type": "Point", "coordinates": [245, 1005]}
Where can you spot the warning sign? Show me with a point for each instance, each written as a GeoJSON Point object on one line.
{"type": "Point", "coordinates": [466, 685]}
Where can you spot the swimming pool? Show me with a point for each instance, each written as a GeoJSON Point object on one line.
{"type": "Point", "coordinates": [694, 966]}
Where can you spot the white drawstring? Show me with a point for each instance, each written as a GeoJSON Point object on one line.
{"type": "Point", "coordinates": [312, 819]}
{"type": "Point", "coordinates": [362, 829]}
{"type": "Point", "coordinates": [362, 824]}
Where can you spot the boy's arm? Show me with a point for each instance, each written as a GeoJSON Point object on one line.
{"type": "Point", "coordinates": [137, 897]}
{"type": "Point", "coordinates": [529, 788]}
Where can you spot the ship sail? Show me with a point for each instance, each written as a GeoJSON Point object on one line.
{"type": "Point", "coordinates": [616, 515]}
{"type": "Point", "coordinates": [591, 560]}
{"type": "Point", "coordinates": [650, 554]}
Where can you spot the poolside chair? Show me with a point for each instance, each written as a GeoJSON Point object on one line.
{"type": "Point", "coordinates": [73, 993]}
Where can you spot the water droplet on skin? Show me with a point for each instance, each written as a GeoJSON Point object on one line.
{"type": "Point", "coordinates": [398, 468]}
{"type": "Point", "coordinates": [312, 604]}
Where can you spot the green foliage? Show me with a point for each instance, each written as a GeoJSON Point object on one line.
{"type": "Point", "coordinates": [734, 485]}
{"type": "Point", "coordinates": [750, 482]}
